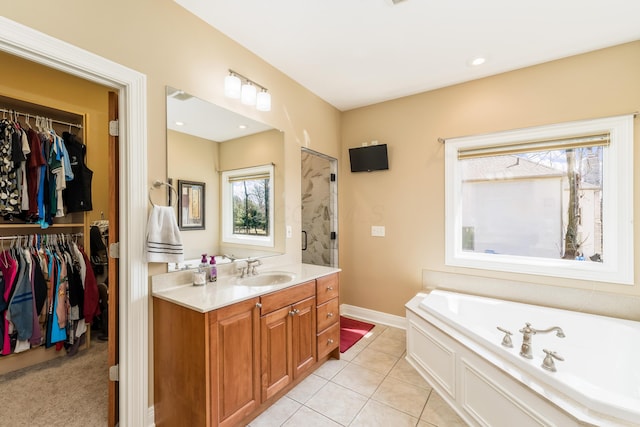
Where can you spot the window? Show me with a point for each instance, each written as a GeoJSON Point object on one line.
{"type": "Point", "coordinates": [552, 200]}
{"type": "Point", "coordinates": [247, 206]}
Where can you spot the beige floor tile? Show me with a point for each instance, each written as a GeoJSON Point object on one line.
{"type": "Point", "coordinates": [359, 379]}
{"type": "Point", "coordinates": [307, 388]}
{"type": "Point", "coordinates": [277, 413]}
{"type": "Point", "coordinates": [376, 414]}
{"type": "Point", "coordinates": [350, 354]}
{"type": "Point", "coordinates": [375, 360]}
{"type": "Point", "coordinates": [309, 418]}
{"type": "Point", "coordinates": [330, 368]}
{"type": "Point", "coordinates": [395, 333]}
{"type": "Point", "coordinates": [337, 402]}
{"type": "Point", "coordinates": [389, 345]}
{"type": "Point", "coordinates": [402, 396]}
{"type": "Point", "coordinates": [439, 413]}
{"type": "Point", "coordinates": [403, 371]}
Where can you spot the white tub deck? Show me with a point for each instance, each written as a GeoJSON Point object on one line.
{"type": "Point", "coordinates": [598, 383]}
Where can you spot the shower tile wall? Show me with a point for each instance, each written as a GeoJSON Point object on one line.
{"type": "Point", "coordinates": [316, 210]}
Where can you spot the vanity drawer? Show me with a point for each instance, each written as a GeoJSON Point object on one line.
{"type": "Point", "coordinates": [327, 288]}
{"type": "Point", "coordinates": [328, 340]}
{"type": "Point", "coordinates": [328, 314]}
{"type": "Point", "coordinates": [288, 296]}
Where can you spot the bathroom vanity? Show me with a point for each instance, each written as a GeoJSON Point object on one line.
{"type": "Point", "coordinates": [224, 352]}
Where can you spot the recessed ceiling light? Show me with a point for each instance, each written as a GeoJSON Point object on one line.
{"type": "Point", "coordinates": [179, 123]}
{"type": "Point", "coordinates": [479, 60]}
{"type": "Point", "coordinates": [243, 126]}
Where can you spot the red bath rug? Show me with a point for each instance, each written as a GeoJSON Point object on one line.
{"type": "Point", "coordinates": [351, 331]}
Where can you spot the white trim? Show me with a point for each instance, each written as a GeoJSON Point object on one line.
{"type": "Point", "coordinates": [35, 46]}
{"type": "Point", "coordinates": [617, 266]}
{"type": "Point", "coordinates": [373, 316]}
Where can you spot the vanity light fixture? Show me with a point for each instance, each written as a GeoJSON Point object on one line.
{"type": "Point", "coordinates": [237, 86]}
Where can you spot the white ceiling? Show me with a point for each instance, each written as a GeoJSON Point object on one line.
{"type": "Point", "coordinates": [194, 116]}
{"type": "Point", "coordinates": [353, 53]}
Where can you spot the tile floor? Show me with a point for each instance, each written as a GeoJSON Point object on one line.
{"type": "Point", "coordinates": [371, 385]}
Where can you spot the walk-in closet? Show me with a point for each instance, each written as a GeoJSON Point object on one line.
{"type": "Point", "coordinates": [54, 234]}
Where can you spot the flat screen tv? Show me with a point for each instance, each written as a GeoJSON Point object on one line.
{"type": "Point", "coordinates": [370, 158]}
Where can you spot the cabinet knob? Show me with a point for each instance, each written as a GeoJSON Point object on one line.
{"type": "Point", "coordinates": [258, 305]}
{"type": "Point", "coordinates": [329, 315]}
{"type": "Point", "coordinates": [294, 312]}
{"type": "Point", "coordinates": [329, 288]}
{"type": "Point", "coordinates": [330, 341]}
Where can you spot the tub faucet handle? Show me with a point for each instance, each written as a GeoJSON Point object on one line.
{"type": "Point", "coordinates": [506, 340]}
{"type": "Point", "coordinates": [548, 362]}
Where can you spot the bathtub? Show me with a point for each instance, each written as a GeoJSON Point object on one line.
{"type": "Point", "coordinates": [453, 341]}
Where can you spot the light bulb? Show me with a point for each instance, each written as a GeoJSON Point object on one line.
{"type": "Point", "coordinates": [232, 86]}
{"type": "Point", "coordinates": [248, 94]}
{"type": "Point", "coordinates": [263, 101]}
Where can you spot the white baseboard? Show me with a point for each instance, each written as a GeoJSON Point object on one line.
{"type": "Point", "coordinates": [373, 316]}
{"type": "Point", "coordinates": [151, 416]}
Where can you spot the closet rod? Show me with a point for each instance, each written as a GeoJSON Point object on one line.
{"type": "Point", "coordinates": [19, 113]}
{"type": "Point", "coordinates": [20, 236]}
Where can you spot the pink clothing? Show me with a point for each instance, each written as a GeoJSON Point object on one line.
{"type": "Point", "coordinates": [9, 268]}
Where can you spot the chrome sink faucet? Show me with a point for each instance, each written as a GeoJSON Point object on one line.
{"type": "Point", "coordinates": [251, 266]}
{"type": "Point", "coordinates": [528, 332]}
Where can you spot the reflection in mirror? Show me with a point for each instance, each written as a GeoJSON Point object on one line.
{"type": "Point", "coordinates": [203, 141]}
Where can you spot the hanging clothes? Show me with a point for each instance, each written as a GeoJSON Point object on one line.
{"type": "Point", "coordinates": [77, 196]}
{"type": "Point", "coordinates": [45, 299]}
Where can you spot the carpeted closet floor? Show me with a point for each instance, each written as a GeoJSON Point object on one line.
{"type": "Point", "coordinates": [67, 391]}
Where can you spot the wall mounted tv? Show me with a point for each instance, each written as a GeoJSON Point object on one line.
{"type": "Point", "coordinates": [370, 158]}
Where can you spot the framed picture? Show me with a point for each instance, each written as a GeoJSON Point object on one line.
{"type": "Point", "coordinates": [190, 205]}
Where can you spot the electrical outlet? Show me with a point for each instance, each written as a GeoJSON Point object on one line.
{"type": "Point", "coordinates": [289, 232]}
{"type": "Point", "coordinates": [377, 230]}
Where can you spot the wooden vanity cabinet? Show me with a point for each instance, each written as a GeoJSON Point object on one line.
{"type": "Point", "coordinates": [287, 326]}
{"type": "Point", "coordinates": [328, 315]}
{"type": "Point", "coordinates": [224, 367]}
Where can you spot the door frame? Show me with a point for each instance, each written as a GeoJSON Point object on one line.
{"type": "Point", "coordinates": [333, 189]}
{"type": "Point", "coordinates": [30, 44]}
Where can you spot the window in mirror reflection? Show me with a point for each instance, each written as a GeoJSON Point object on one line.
{"type": "Point", "coordinates": [247, 207]}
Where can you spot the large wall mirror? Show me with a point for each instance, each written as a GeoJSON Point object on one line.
{"type": "Point", "coordinates": [239, 165]}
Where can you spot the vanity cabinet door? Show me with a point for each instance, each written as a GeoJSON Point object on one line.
{"type": "Point", "coordinates": [275, 351]}
{"type": "Point", "coordinates": [238, 333]}
{"type": "Point", "coordinates": [304, 335]}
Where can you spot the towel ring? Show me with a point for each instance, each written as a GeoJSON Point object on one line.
{"type": "Point", "coordinates": [158, 184]}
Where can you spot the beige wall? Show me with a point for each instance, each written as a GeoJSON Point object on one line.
{"type": "Point", "coordinates": [384, 273]}
{"type": "Point", "coordinates": [202, 167]}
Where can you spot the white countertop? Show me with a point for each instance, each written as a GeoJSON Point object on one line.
{"type": "Point", "coordinates": [177, 287]}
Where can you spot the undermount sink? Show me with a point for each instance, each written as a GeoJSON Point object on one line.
{"type": "Point", "coordinates": [267, 279]}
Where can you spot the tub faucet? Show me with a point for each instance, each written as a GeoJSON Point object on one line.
{"type": "Point", "coordinates": [528, 332]}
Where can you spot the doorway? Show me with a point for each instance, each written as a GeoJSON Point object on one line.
{"type": "Point", "coordinates": [319, 209]}
{"type": "Point", "coordinates": [133, 298]}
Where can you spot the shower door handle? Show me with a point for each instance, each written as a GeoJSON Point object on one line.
{"type": "Point", "coordinates": [304, 240]}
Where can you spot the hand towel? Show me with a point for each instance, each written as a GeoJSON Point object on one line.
{"type": "Point", "coordinates": [164, 243]}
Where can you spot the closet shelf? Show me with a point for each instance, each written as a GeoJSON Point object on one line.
{"type": "Point", "coordinates": [65, 225]}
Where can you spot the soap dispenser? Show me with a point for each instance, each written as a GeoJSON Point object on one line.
{"type": "Point", "coordinates": [213, 271]}
{"type": "Point", "coordinates": [204, 267]}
